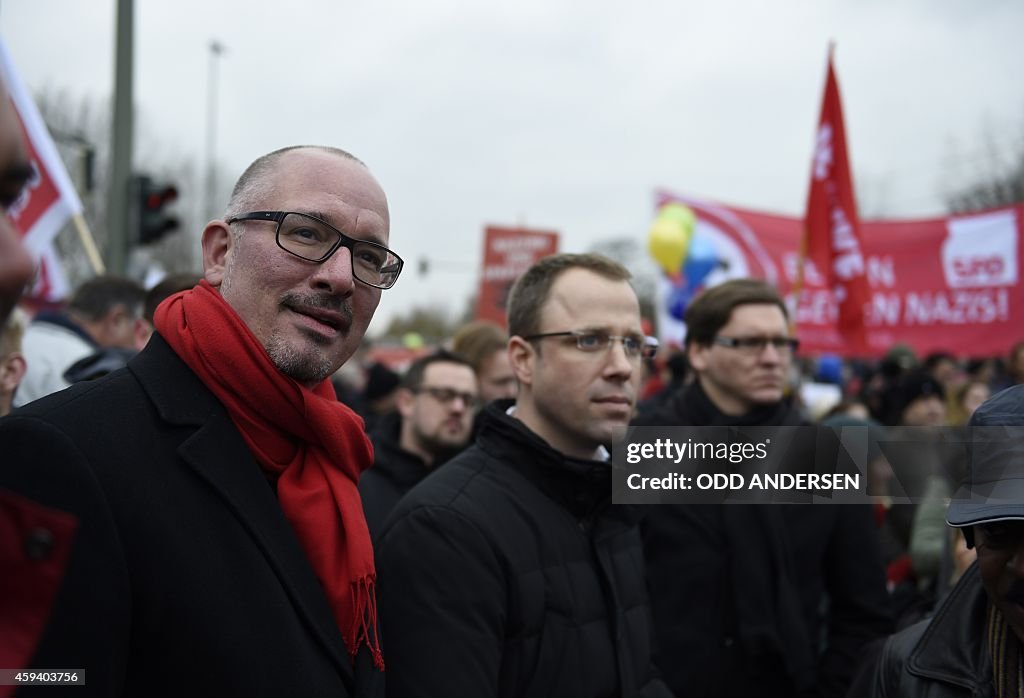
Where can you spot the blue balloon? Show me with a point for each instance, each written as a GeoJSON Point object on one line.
{"type": "Point", "coordinates": [700, 261]}
{"type": "Point", "coordinates": [830, 369]}
{"type": "Point", "coordinates": [679, 300]}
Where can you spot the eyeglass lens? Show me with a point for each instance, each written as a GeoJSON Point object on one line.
{"type": "Point", "coordinates": [448, 395]}
{"type": "Point", "coordinates": [758, 344]}
{"type": "Point", "coordinates": [310, 239]}
{"type": "Point", "coordinates": [596, 341]}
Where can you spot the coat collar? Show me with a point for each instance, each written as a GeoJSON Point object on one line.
{"type": "Point", "coordinates": [581, 486]}
{"type": "Point", "coordinates": [953, 648]}
{"type": "Point", "coordinates": [403, 468]}
{"type": "Point", "coordinates": [63, 321]}
{"type": "Point", "coordinates": [216, 452]}
{"type": "Point", "coordinates": [693, 406]}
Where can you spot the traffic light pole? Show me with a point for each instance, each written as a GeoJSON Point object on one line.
{"type": "Point", "coordinates": [118, 215]}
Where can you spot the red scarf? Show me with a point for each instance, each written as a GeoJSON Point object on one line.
{"type": "Point", "coordinates": [311, 444]}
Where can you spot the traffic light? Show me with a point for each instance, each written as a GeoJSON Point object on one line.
{"type": "Point", "coordinates": [152, 199]}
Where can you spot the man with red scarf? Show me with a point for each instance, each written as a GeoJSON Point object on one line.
{"type": "Point", "coordinates": [222, 548]}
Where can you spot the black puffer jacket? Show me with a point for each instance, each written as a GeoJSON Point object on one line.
{"type": "Point", "coordinates": [944, 657]}
{"type": "Point", "coordinates": [508, 573]}
{"type": "Point", "coordinates": [767, 600]}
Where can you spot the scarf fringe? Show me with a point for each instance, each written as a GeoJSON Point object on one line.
{"type": "Point", "coordinates": [364, 612]}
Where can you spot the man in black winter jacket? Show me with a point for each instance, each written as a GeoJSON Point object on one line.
{"type": "Point", "coordinates": [508, 572]}
{"type": "Point", "coordinates": [766, 600]}
{"type": "Point", "coordinates": [974, 643]}
{"type": "Point", "coordinates": [435, 406]}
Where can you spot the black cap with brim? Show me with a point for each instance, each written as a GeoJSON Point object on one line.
{"type": "Point", "coordinates": [994, 488]}
{"type": "Point", "coordinates": [966, 510]}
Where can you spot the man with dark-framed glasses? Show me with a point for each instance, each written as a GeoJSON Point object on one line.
{"type": "Point", "coordinates": [222, 547]}
{"type": "Point", "coordinates": [767, 600]}
{"type": "Point", "coordinates": [508, 572]}
{"type": "Point", "coordinates": [435, 404]}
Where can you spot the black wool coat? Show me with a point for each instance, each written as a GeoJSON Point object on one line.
{"type": "Point", "coordinates": [185, 578]}
{"type": "Point", "coordinates": [395, 471]}
{"type": "Point", "coordinates": [509, 573]}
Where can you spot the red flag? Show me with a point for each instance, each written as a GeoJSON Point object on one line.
{"type": "Point", "coordinates": [49, 199]}
{"type": "Point", "coordinates": [832, 240]}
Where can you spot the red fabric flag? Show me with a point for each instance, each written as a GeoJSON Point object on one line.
{"type": "Point", "coordinates": [832, 240]}
{"type": "Point", "coordinates": [49, 200]}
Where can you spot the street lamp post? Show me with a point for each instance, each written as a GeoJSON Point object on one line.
{"type": "Point", "coordinates": [210, 210]}
{"type": "Point", "coordinates": [118, 207]}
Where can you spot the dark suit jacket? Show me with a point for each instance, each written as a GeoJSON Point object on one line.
{"type": "Point", "coordinates": [185, 578]}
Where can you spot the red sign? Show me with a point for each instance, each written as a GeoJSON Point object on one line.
{"type": "Point", "coordinates": [508, 252]}
{"type": "Point", "coordinates": [951, 284]}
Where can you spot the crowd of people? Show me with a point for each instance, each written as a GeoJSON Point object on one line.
{"type": "Point", "coordinates": [187, 508]}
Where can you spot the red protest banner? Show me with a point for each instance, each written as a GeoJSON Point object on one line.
{"type": "Point", "coordinates": [832, 239]}
{"type": "Point", "coordinates": [508, 252]}
{"type": "Point", "coordinates": [950, 284]}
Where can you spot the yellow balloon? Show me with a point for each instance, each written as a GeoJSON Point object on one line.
{"type": "Point", "coordinates": [667, 243]}
{"type": "Point", "coordinates": [681, 214]}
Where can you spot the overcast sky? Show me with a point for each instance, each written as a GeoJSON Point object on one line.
{"type": "Point", "coordinates": [559, 115]}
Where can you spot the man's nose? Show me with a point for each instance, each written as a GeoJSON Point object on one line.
{"type": "Point", "coordinates": [618, 362]}
{"type": "Point", "coordinates": [770, 354]}
{"type": "Point", "coordinates": [1016, 561]}
{"type": "Point", "coordinates": [335, 273]}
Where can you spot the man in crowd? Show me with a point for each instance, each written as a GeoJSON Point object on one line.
{"type": "Point", "coordinates": [104, 312]}
{"type": "Point", "coordinates": [916, 399]}
{"type": "Point", "coordinates": [1014, 366]}
{"type": "Point", "coordinates": [508, 572]}
{"type": "Point", "coordinates": [109, 359]}
{"type": "Point", "coordinates": [973, 645]}
{"type": "Point", "coordinates": [738, 591]}
{"type": "Point", "coordinates": [485, 346]}
{"type": "Point", "coordinates": [435, 407]}
{"type": "Point", "coordinates": [221, 546]}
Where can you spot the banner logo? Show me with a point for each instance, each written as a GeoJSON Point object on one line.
{"type": "Point", "coordinates": [981, 250]}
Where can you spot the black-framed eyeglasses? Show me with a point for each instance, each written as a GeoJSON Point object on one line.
{"type": "Point", "coordinates": [756, 345]}
{"type": "Point", "coordinates": [447, 396]}
{"type": "Point", "coordinates": [314, 240]}
{"type": "Point", "coordinates": [591, 341]}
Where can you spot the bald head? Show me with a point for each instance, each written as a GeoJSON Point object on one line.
{"type": "Point", "coordinates": [257, 180]}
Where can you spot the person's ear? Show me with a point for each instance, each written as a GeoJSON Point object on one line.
{"type": "Point", "coordinates": [143, 331]}
{"type": "Point", "coordinates": [523, 357]}
{"type": "Point", "coordinates": [405, 399]}
{"type": "Point", "coordinates": [110, 329]}
{"type": "Point", "coordinates": [12, 370]}
{"type": "Point", "coordinates": [697, 355]}
{"type": "Point", "coordinates": [218, 243]}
